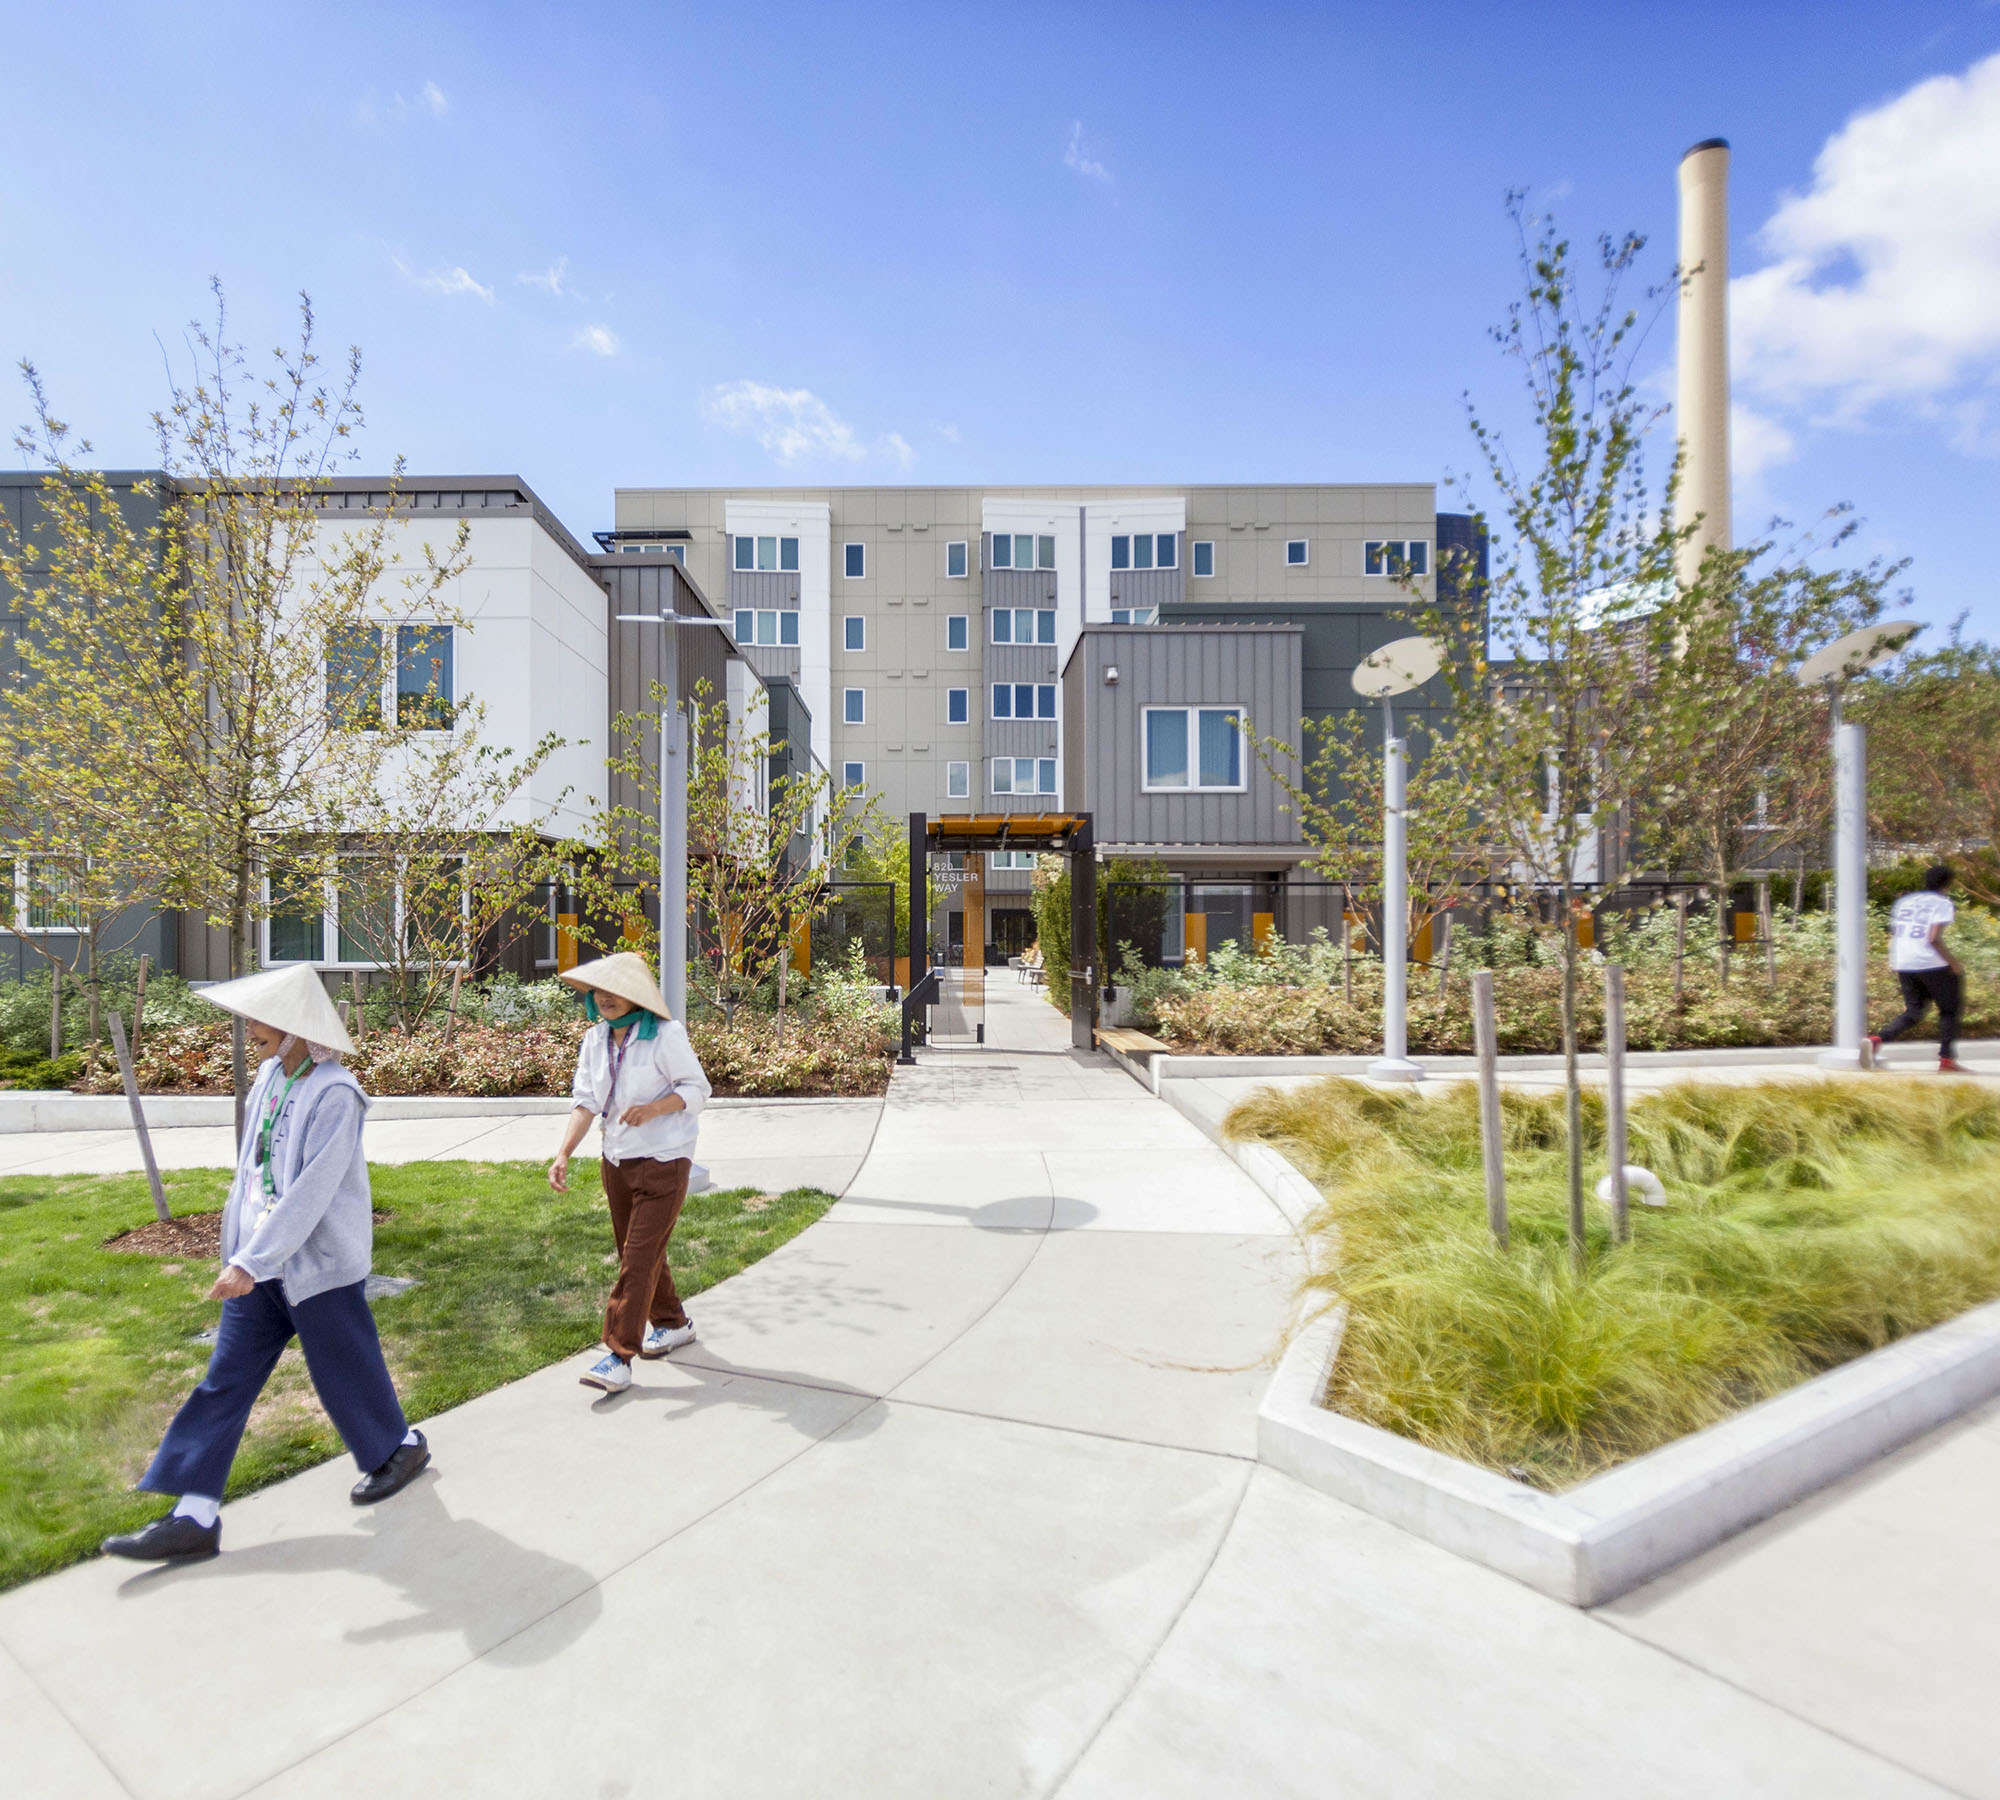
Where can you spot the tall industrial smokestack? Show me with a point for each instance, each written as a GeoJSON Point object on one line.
{"type": "Point", "coordinates": [1703, 396]}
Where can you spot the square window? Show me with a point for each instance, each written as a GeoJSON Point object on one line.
{"type": "Point", "coordinates": [746, 553]}
{"type": "Point", "coordinates": [1419, 560]}
{"type": "Point", "coordinates": [1003, 774]}
{"type": "Point", "coordinates": [1121, 615]}
{"type": "Point", "coordinates": [1045, 552]}
{"type": "Point", "coordinates": [1024, 551]}
{"type": "Point", "coordinates": [958, 706]}
{"type": "Point", "coordinates": [767, 553]}
{"type": "Point", "coordinates": [1167, 551]}
{"type": "Point", "coordinates": [788, 628]}
{"type": "Point", "coordinates": [1003, 700]}
{"type": "Point", "coordinates": [423, 677]}
{"type": "Point", "coordinates": [1024, 699]}
{"type": "Point", "coordinates": [957, 780]}
{"type": "Point", "coordinates": [1003, 626]}
{"type": "Point", "coordinates": [853, 706]}
{"type": "Point", "coordinates": [854, 561]}
{"type": "Point", "coordinates": [1045, 700]}
{"type": "Point", "coordinates": [1045, 775]}
{"type": "Point", "coordinates": [1166, 747]}
{"type": "Point", "coordinates": [767, 628]}
{"type": "Point", "coordinates": [957, 631]}
{"type": "Point", "coordinates": [854, 632]}
{"type": "Point", "coordinates": [1121, 552]}
{"type": "Point", "coordinates": [1003, 550]}
{"type": "Point", "coordinates": [1045, 626]}
{"type": "Point", "coordinates": [955, 561]}
{"type": "Point", "coordinates": [746, 625]}
{"type": "Point", "coordinates": [1142, 550]}
{"type": "Point", "coordinates": [788, 555]}
{"type": "Point", "coordinates": [853, 775]}
{"type": "Point", "coordinates": [1204, 558]}
{"type": "Point", "coordinates": [1295, 553]}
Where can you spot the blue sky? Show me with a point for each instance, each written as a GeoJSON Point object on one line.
{"type": "Point", "coordinates": [620, 244]}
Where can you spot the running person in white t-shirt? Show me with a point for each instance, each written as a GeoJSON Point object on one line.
{"type": "Point", "coordinates": [1925, 970]}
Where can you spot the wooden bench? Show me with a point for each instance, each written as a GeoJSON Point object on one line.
{"type": "Point", "coordinates": [1130, 1043]}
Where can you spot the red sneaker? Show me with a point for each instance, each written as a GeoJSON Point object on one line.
{"type": "Point", "coordinates": [1874, 1049]}
{"type": "Point", "coordinates": [1950, 1065]}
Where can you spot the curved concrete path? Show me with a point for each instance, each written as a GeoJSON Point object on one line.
{"type": "Point", "coordinates": [955, 1496]}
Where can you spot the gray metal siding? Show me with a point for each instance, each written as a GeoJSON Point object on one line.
{"type": "Point", "coordinates": [1258, 669]}
{"type": "Point", "coordinates": [1151, 587]}
{"type": "Point", "coordinates": [638, 653]}
{"type": "Point", "coordinates": [768, 587]}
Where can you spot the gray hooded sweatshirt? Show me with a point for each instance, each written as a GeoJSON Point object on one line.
{"type": "Point", "coordinates": [319, 1233]}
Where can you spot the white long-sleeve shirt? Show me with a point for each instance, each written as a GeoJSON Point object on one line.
{"type": "Point", "coordinates": [653, 1068]}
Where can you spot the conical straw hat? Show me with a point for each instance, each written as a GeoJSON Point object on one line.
{"type": "Point", "coordinates": [625, 975]}
{"type": "Point", "coordinates": [289, 999]}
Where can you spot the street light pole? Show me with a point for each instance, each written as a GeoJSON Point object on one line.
{"type": "Point", "coordinates": [673, 805]}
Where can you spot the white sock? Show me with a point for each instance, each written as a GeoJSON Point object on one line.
{"type": "Point", "coordinates": [410, 1436]}
{"type": "Point", "coordinates": [198, 1507]}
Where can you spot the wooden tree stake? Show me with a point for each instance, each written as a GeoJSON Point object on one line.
{"type": "Point", "coordinates": [1764, 925]}
{"type": "Point", "coordinates": [131, 1080]}
{"type": "Point", "coordinates": [1680, 946]}
{"type": "Point", "coordinates": [354, 984]}
{"type": "Point", "coordinates": [1614, 1096]}
{"type": "Point", "coordinates": [139, 1004]}
{"type": "Point", "coordinates": [1485, 1037]}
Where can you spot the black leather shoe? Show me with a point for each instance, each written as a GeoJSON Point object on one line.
{"type": "Point", "coordinates": [175, 1538]}
{"type": "Point", "coordinates": [408, 1462]}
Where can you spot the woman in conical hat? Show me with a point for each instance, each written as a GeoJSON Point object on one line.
{"type": "Point", "coordinates": [638, 1073]}
{"type": "Point", "coordinates": [297, 1235]}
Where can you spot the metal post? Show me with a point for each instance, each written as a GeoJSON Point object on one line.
{"type": "Point", "coordinates": [1083, 936]}
{"type": "Point", "coordinates": [1614, 1097]}
{"type": "Point", "coordinates": [131, 1080]}
{"type": "Point", "coordinates": [1394, 1064]}
{"type": "Point", "coordinates": [917, 949]}
{"type": "Point", "coordinates": [673, 826]}
{"type": "Point", "coordinates": [1492, 1146]}
{"type": "Point", "coordinates": [1850, 893]}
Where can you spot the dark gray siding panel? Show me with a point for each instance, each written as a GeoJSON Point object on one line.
{"type": "Point", "coordinates": [771, 588]}
{"type": "Point", "coordinates": [1258, 669]}
{"type": "Point", "coordinates": [638, 653]}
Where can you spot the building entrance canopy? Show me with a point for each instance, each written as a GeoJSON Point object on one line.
{"type": "Point", "coordinates": [1049, 832]}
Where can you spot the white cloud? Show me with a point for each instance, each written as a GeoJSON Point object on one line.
{"type": "Point", "coordinates": [551, 279]}
{"type": "Point", "coordinates": [898, 451]}
{"type": "Point", "coordinates": [1757, 442]}
{"type": "Point", "coordinates": [1882, 288]}
{"type": "Point", "coordinates": [949, 433]}
{"type": "Point", "coordinates": [599, 338]}
{"type": "Point", "coordinates": [452, 281]}
{"type": "Point", "coordinates": [1076, 157]}
{"type": "Point", "coordinates": [791, 423]}
{"type": "Point", "coordinates": [433, 97]}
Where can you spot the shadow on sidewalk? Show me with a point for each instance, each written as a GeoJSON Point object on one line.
{"type": "Point", "coordinates": [510, 1604]}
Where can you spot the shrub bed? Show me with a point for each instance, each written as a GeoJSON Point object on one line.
{"type": "Point", "coordinates": [1806, 1224]}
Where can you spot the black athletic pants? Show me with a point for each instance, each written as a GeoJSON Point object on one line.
{"type": "Point", "coordinates": [1922, 989]}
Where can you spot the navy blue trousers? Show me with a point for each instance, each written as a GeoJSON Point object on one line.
{"type": "Point", "coordinates": [344, 1356]}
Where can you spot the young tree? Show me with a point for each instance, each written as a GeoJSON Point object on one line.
{"type": "Point", "coordinates": [1549, 678]}
{"type": "Point", "coordinates": [217, 660]}
{"type": "Point", "coordinates": [1744, 768]}
{"type": "Point", "coordinates": [1933, 721]}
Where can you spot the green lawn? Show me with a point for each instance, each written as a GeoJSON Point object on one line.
{"type": "Point", "coordinates": [1807, 1223]}
{"type": "Point", "coordinates": [96, 1346]}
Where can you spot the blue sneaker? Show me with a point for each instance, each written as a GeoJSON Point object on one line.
{"type": "Point", "coordinates": [613, 1374]}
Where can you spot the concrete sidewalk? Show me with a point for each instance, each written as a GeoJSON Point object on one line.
{"type": "Point", "coordinates": [956, 1495]}
{"type": "Point", "coordinates": [771, 1145]}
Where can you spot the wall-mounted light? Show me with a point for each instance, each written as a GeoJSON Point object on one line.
{"type": "Point", "coordinates": [1110, 674]}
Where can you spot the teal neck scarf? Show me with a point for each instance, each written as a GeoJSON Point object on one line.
{"type": "Point", "coordinates": [641, 1023]}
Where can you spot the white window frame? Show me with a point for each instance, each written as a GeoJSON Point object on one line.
{"type": "Point", "coordinates": [329, 931]}
{"type": "Point", "coordinates": [853, 774]}
{"type": "Point", "coordinates": [848, 574]}
{"type": "Point", "coordinates": [777, 615]}
{"type": "Point", "coordinates": [1304, 561]}
{"type": "Point", "coordinates": [964, 548]}
{"type": "Point", "coordinates": [854, 706]}
{"type": "Point", "coordinates": [20, 925]}
{"type": "Point", "coordinates": [1172, 540]}
{"type": "Point", "coordinates": [848, 622]}
{"type": "Point", "coordinates": [1379, 550]}
{"type": "Point", "coordinates": [1036, 764]}
{"type": "Point", "coordinates": [1194, 784]}
{"type": "Point", "coordinates": [958, 781]}
{"type": "Point", "coordinates": [964, 698]}
{"type": "Point", "coordinates": [1195, 570]}
{"type": "Point", "coordinates": [960, 619]}
{"type": "Point", "coordinates": [1048, 688]}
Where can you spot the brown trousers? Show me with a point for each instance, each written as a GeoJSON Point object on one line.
{"type": "Point", "coordinates": [645, 1196]}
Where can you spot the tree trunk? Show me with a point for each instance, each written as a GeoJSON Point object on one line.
{"type": "Point", "coordinates": [1725, 924]}
{"type": "Point", "coordinates": [93, 988]}
{"type": "Point", "coordinates": [55, 1006]}
{"type": "Point", "coordinates": [239, 963]}
{"type": "Point", "coordinates": [1572, 1087]}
